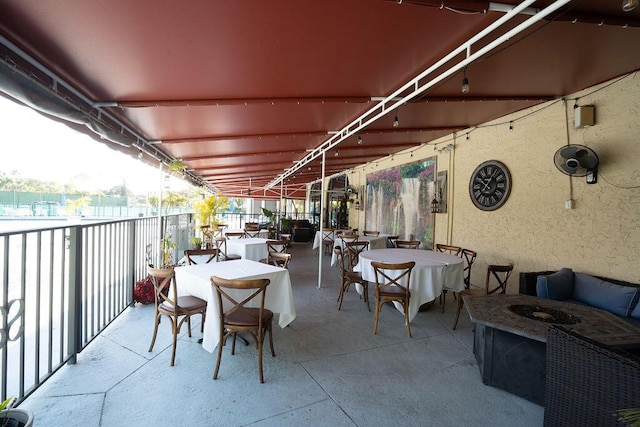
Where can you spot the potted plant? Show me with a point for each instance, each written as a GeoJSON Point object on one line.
{"type": "Point", "coordinates": [207, 208]}
{"type": "Point", "coordinates": [196, 242]}
{"type": "Point", "coordinates": [14, 417]}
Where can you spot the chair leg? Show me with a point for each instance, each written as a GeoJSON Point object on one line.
{"type": "Point", "coordinates": [341, 295]}
{"type": "Point", "coordinates": [406, 318]}
{"type": "Point", "coordinates": [375, 316]}
{"type": "Point", "coordinates": [273, 352]}
{"type": "Point", "coordinates": [233, 343]}
{"type": "Point", "coordinates": [443, 299]}
{"type": "Point", "coordinates": [155, 332]}
{"type": "Point", "coordinates": [174, 330]}
{"type": "Point", "coordinates": [220, 344]}
{"type": "Point", "coordinates": [189, 325]}
{"type": "Point", "coordinates": [259, 342]}
{"type": "Point", "coordinates": [365, 290]}
{"type": "Point", "coordinates": [458, 308]}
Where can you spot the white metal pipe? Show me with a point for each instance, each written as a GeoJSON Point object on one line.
{"type": "Point", "coordinates": [323, 205]}
{"type": "Point", "coordinates": [395, 99]}
{"type": "Point", "coordinates": [160, 254]}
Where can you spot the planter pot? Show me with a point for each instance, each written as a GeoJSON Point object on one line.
{"type": "Point", "coordinates": [16, 418]}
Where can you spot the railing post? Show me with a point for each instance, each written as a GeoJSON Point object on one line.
{"type": "Point", "coordinates": [74, 320]}
{"type": "Point", "coordinates": [132, 260]}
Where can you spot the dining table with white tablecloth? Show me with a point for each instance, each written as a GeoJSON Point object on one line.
{"type": "Point", "coordinates": [253, 248]}
{"type": "Point", "coordinates": [195, 280]}
{"type": "Point", "coordinates": [433, 271]}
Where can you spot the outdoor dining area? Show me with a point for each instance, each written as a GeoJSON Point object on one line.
{"type": "Point", "coordinates": [327, 369]}
{"type": "Point", "coordinates": [429, 187]}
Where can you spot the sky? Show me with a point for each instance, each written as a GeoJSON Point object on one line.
{"type": "Point", "coordinates": [41, 148]}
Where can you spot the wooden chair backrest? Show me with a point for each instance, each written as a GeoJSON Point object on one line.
{"type": "Point", "coordinates": [279, 259]}
{"type": "Point", "coordinates": [468, 257]}
{"type": "Point", "coordinates": [370, 233]}
{"type": "Point", "coordinates": [407, 244]}
{"type": "Point", "coordinates": [162, 279]}
{"type": "Point", "coordinates": [235, 235]}
{"type": "Point", "coordinates": [278, 246]}
{"type": "Point", "coordinates": [354, 249]}
{"type": "Point", "coordinates": [501, 274]}
{"type": "Point", "coordinates": [189, 253]}
{"type": "Point", "coordinates": [453, 250]}
{"type": "Point", "coordinates": [328, 234]}
{"type": "Point", "coordinates": [240, 305]}
{"type": "Point", "coordinates": [393, 274]}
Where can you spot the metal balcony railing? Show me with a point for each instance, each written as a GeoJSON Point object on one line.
{"type": "Point", "coordinates": [61, 286]}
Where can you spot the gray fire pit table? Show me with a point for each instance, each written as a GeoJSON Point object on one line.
{"type": "Point", "coordinates": [510, 337]}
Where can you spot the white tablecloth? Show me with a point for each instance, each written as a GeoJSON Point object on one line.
{"type": "Point", "coordinates": [196, 280]}
{"type": "Point", "coordinates": [375, 242]}
{"type": "Point", "coordinates": [254, 249]}
{"type": "Point", "coordinates": [432, 271]}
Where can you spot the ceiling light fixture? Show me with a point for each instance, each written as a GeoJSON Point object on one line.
{"type": "Point", "coordinates": [465, 81]}
{"type": "Point", "coordinates": [396, 123]}
{"type": "Point", "coordinates": [629, 5]}
{"type": "Point", "coordinates": [359, 140]}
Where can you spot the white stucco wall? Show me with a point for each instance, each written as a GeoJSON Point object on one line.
{"type": "Point", "coordinates": [601, 235]}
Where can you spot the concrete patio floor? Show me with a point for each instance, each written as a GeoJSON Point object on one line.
{"type": "Point", "coordinates": [329, 370]}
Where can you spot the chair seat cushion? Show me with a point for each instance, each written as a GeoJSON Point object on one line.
{"type": "Point", "coordinates": [354, 276]}
{"type": "Point", "coordinates": [248, 317]}
{"type": "Point", "coordinates": [187, 303]}
{"type": "Point", "coordinates": [391, 291]}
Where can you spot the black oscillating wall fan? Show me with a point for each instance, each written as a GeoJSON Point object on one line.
{"type": "Point", "coordinates": [577, 160]}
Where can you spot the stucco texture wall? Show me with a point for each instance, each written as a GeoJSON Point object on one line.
{"type": "Point", "coordinates": [601, 235]}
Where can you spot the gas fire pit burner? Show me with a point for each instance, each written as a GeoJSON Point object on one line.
{"type": "Point", "coordinates": [544, 314]}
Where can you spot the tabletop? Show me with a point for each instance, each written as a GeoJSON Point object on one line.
{"type": "Point", "coordinates": [253, 248]}
{"type": "Point", "coordinates": [433, 270]}
{"type": "Point", "coordinates": [195, 280]}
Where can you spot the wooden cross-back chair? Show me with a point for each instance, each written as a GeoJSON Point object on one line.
{"type": "Point", "coordinates": [392, 285]}
{"type": "Point", "coordinates": [328, 236]}
{"type": "Point", "coordinates": [169, 304]}
{"type": "Point", "coordinates": [235, 235]}
{"type": "Point", "coordinates": [354, 249]}
{"type": "Point", "coordinates": [278, 245]}
{"type": "Point", "coordinates": [468, 258]}
{"type": "Point", "coordinates": [251, 232]}
{"type": "Point", "coordinates": [245, 314]}
{"type": "Point", "coordinates": [283, 236]}
{"type": "Point", "coordinates": [348, 278]}
{"type": "Point", "coordinates": [208, 255]}
{"type": "Point", "coordinates": [407, 244]}
{"type": "Point", "coordinates": [450, 249]}
{"type": "Point", "coordinates": [279, 259]}
{"type": "Point", "coordinates": [220, 243]}
{"type": "Point", "coordinates": [370, 233]}
{"type": "Point", "coordinates": [500, 275]}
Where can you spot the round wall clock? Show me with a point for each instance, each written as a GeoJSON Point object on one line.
{"type": "Point", "coordinates": [490, 185]}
